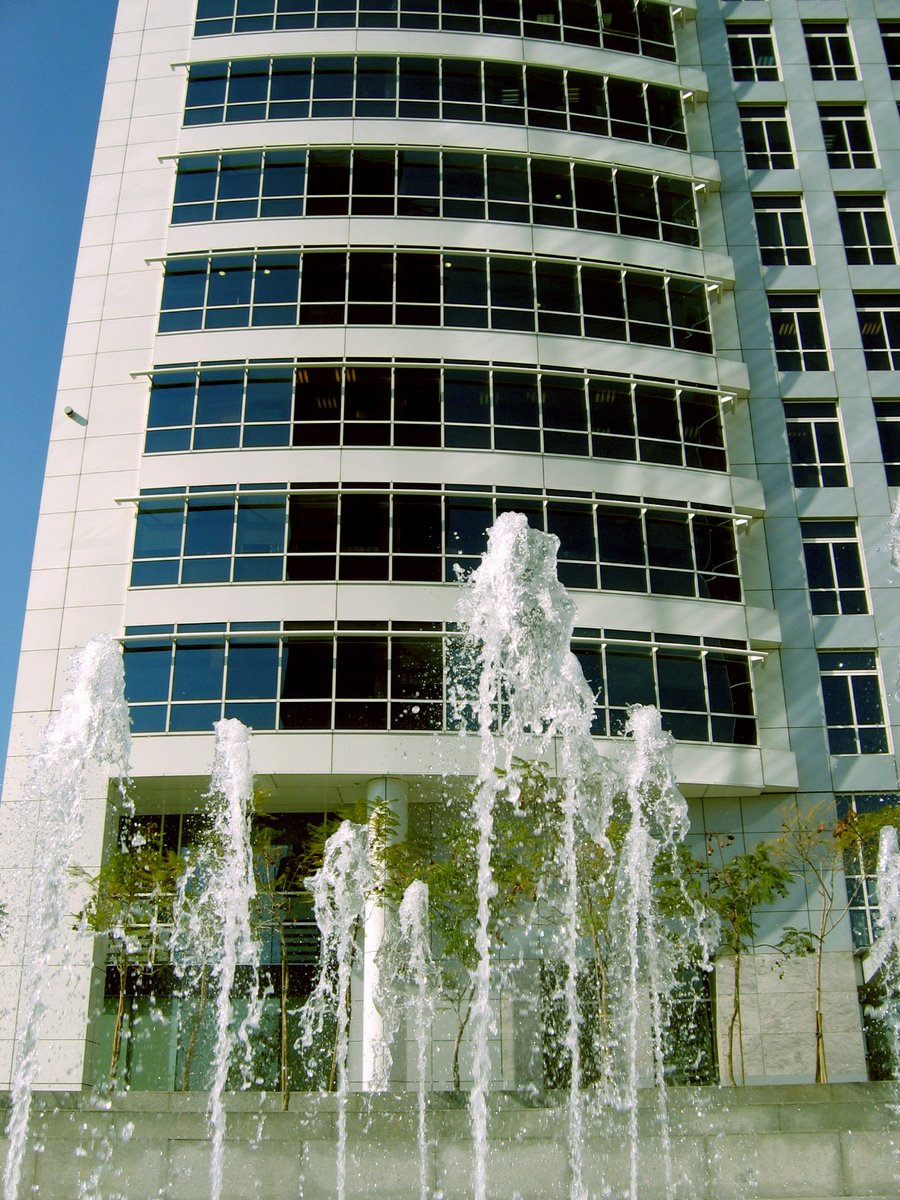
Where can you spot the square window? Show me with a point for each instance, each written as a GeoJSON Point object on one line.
{"type": "Point", "coordinates": [854, 711]}
{"type": "Point", "coordinates": [866, 229]}
{"type": "Point", "coordinates": [878, 314]}
{"type": "Point", "coordinates": [782, 232]}
{"type": "Point", "coordinates": [767, 138]}
{"type": "Point", "coordinates": [848, 143]}
{"type": "Point", "coordinates": [830, 50]}
{"type": "Point", "coordinates": [798, 332]}
{"type": "Point", "coordinates": [890, 38]}
{"type": "Point", "coordinates": [834, 569]}
{"type": "Point", "coordinates": [815, 443]}
{"type": "Point", "coordinates": [887, 414]}
{"type": "Point", "coordinates": [752, 51]}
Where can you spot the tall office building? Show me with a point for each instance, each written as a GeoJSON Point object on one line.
{"type": "Point", "coordinates": [357, 276]}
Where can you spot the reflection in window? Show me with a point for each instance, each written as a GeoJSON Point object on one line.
{"type": "Point", "coordinates": [854, 711]}
{"type": "Point", "coordinates": [815, 443]}
{"type": "Point", "coordinates": [798, 331]}
{"type": "Point", "coordinates": [426, 533]}
{"type": "Point", "coordinates": [430, 183]}
{"type": "Point", "coordinates": [887, 414]}
{"type": "Point", "coordinates": [365, 404]}
{"type": "Point", "coordinates": [834, 567]}
{"type": "Point", "coordinates": [781, 229]}
{"type": "Point", "coordinates": [642, 28]}
{"type": "Point", "coordinates": [447, 89]}
{"type": "Point", "coordinates": [450, 289]}
{"type": "Point", "coordinates": [878, 314]}
{"type": "Point", "coordinates": [396, 676]}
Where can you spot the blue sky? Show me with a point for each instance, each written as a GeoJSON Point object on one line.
{"type": "Point", "coordinates": [50, 92]}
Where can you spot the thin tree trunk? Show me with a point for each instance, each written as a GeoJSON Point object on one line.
{"type": "Point", "coordinates": [117, 1027]}
{"type": "Point", "coordinates": [285, 980]}
{"type": "Point", "coordinates": [735, 1025]}
{"type": "Point", "coordinates": [195, 1031]}
{"type": "Point", "coordinates": [821, 1067]}
{"type": "Point", "coordinates": [460, 1030]}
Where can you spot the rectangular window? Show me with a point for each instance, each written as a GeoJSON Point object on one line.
{"type": "Point", "coordinates": [329, 85]}
{"type": "Point", "coordinates": [887, 414]}
{"type": "Point", "coordinates": [798, 331]}
{"type": "Point", "coordinates": [890, 37]}
{"type": "Point", "coordinates": [861, 866]}
{"type": "Point", "coordinates": [752, 51]}
{"type": "Point", "coordinates": [830, 50]}
{"type": "Point", "coordinates": [866, 229]}
{"type": "Point", "coordinates": [834, 567]}
{"type": "Point", "coordinates": [815, 443]}
{"type": "Point", "coordinates": [370, 677]}
{"type": "Point", "coordinates": [782, 232]}
{"type": "Point", "coordinates": [878, 314]}
{"type": "Point", "coordinates": [848, 143]}
{"type": "Point", "coordinates": [854, 710]}
{"type": "Point", "coordinates": [767, 138]}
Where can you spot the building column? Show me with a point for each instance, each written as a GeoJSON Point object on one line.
{"type": "Point", "coordinates": [392, 792]}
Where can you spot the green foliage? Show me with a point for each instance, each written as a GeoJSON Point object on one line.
{"type": "Point", "coordinates": [134, 888]}
{"type": "Point", "coordinates": [130, 896]}
{"type": "Point", "coordinates": [736, 887]}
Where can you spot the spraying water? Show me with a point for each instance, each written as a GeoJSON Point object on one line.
{"type": "Point", "coordinates": [340, 889]}
{"type": "Point", "coordinates": [407, 961]}
{"type": "Point", "coordinates": [230, 889]}
{"type": "Point", "coordinates": [519, 620]}
{"type": "Point", "coordinates": [656, 822]}
{"type": "Point", "coordinates": [886, 951]}
{"type": "Point", "coordinates": [91, 727]}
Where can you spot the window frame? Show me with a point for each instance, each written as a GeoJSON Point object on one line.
{"type": "Point", "coordinates": [815, 430]}
{"type": "Point", "coordinates": [579, 413]}
{"type": "Point", "coordinates": [878, 314]}
{"type": "Point", "coordinates": [775, 151]}
{"type": "Point", "coordinates": [887, 419]}
{"type": "Point", "coordinates": [550, 191]}
{"type": "Point", "coordinates": [848, 137]}
{"type": "Point", "coordinates": [827, 37]}
{"type": "Point", "coordinates": [800, 337]}
{"type": "Point", "coordinates": [320, 86]}
{"type": "Point", "coordinates": [628, 28]}
{"type": "Point", "coordinates": [870, 246]}
{"type": "Point", "coordinates": [890, 40]}
{"type": "Point", "coordinates": [694, 559]}
{"type": "Point", "coordinates": [835, 567]}
{"type": "Point", "coordinates": [848, 731]}
{"type": "Point", "coordinates": [460, 289]}
{"type": "Point", "coordinates": [782, 211]}
{"type": "Point", "coordinates": [755, 44]}
{"type": "Point", "coordinates": [335, 686]}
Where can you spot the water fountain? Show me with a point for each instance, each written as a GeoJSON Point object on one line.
{"type": "Point", "coordinates": [521, 688]}
{"type": "Point", "coordinates": [224, 871]}
{"type": "Point", "coordinates": [91, 728]}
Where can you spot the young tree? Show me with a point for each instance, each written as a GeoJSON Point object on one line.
{"type": "Point", "coordinates": [130, 896]}
{"type": "Point", "coordinates": [442, 854]}
{"type": "Point", "coordinates": [280, 874]}
{"type": "Point", "coordinates": [734, 889]}
{"type": "Point", "coordinates": [814, 847]}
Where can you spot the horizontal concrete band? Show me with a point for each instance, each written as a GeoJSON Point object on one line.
{"type": "Point", "coordinates": [767, 1143]}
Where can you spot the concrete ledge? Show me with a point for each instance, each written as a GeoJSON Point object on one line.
{"type": "Point", "coordinates": [755, 1143]}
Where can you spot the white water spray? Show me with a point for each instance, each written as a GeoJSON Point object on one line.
{"type": "Point", "coordinates": [230, 887]}
{"type": "Point", "coordinates": [340, 889]}
{"type": "Point", "coordinates": [407, 962]}
{"type": "Point", "coordinates": [90, 728]}
{"type": "Point", "coordinates": [519, 620]}
{"type": "Point", "coordinates": [886, 951]}
{"type": "Point", "coordinates": [656, 820]}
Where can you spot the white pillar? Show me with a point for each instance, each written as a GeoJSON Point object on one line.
{"type": "Point", "coordinates": [394, 793]}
